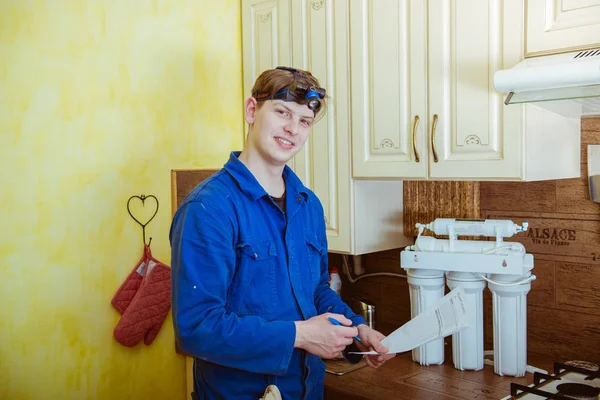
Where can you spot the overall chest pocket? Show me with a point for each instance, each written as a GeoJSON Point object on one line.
{"type": "Point", "coordinates": [315, 250]}
{"type": "Point", "coordinates": [255, 287]}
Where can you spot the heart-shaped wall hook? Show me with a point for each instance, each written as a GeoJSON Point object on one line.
{"type": "Point", "coordinates": [143, 199]}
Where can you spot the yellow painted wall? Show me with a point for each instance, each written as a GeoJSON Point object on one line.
{"type": "Point", "coordinates": [99, 100]}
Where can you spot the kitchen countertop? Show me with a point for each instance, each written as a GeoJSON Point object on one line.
{"type": "Point", "coordinates": [401, 378]}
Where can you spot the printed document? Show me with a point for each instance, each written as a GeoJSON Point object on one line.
{"type": "Point", "coordinates": [446, 316]}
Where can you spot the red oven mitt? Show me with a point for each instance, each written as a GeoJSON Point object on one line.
{"type": "Point", "coordinates": [148, 309]}
{"type": "Point", "coordinates": [130, 285]}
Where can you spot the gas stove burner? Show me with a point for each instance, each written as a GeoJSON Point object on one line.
{"type": "Point", "coordinates": [583, 365]}
{"type": "Point", "coordinates": [578, 391]}
{"type": "Point", "coordinates": [578, 382]}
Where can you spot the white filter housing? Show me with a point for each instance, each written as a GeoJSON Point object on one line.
{"type": "Point", "coordinates": [475, 227]}
{"type": "Point", "coordinates": [426, 287]}
{"type": "Point", "coordinates": [467, 344]}
{"type": "Point", "coordinates": [510, 324]}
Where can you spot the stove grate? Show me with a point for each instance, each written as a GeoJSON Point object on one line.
{"type": "Point", "coordinates": [517, 389]}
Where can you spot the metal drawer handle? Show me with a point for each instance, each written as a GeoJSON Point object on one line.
{"type": "Point", "coordinates": [415, 125]}
{"type": "Point", "coordinates": [433, 126]}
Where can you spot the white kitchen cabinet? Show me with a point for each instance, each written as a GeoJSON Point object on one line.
{"type": "Point", "coordinates": [558, 26]}
{"type": "Point", "coordinates": [266, 35]}
{"type": "Point", "coordinates": [361, 216]}
{"type": "Point", "coordinates": [389, 88]}
{"type": "Point", "coordinates": [423, 101]}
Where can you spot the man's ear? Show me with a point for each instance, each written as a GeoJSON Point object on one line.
{"type": "Point", "coordinates": [250, 109]}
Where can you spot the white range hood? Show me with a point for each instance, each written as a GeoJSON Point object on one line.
{"type": "Point", "coordinates": [568, 84]}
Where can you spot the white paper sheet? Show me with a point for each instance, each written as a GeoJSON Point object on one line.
{"type": "Point", "coordinates": [447, 316]}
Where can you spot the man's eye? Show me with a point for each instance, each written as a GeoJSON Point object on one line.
{"type": "Point", "coordinates": [282, 112]}
{"type": "Point", "coordinates": [307, 122]}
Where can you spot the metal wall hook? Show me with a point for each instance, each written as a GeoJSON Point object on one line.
{"type": "Point", "coordinates": [143, 198]}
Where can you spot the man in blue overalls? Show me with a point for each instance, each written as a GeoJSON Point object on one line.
{"type": "Point", "coordinates": [251, 299]}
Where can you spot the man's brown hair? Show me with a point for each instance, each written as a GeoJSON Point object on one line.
{"type": "Point", "coordinates": [271, 81]}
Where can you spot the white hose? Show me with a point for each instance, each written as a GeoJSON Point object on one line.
{"type": "Point", "coordinates": [514, 247]}
{"type": "Point", "coordinates": [346, 270]}
{"type": "Point", "coordinates": [528, 279]}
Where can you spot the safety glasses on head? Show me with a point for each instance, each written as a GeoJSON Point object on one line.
{"type": "Point", "coordinates": [299, 91]}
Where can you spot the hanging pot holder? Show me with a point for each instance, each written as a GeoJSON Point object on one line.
{"type": "Point", "coordinates": [147, 310]}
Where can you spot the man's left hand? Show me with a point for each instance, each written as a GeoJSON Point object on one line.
{"type": "Point", "coordinates": [371, 340]}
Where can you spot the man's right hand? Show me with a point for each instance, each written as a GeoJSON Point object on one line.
{"type": "Point", "coordinates": [320, 337]}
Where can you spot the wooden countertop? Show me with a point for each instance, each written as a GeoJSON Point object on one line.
{"type": "Point", "coordinates": [401, 378]}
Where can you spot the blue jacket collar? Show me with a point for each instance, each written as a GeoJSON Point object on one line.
{"type": "Point", "coordinates": [250, 186]}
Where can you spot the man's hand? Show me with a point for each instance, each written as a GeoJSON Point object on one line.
{"type": "Point", "coordinates": [320, 337]}
{"type": "Point", "coordinates": [371, 340]}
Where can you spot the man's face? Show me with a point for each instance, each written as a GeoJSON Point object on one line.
{"type": "Point", "coordinates": [280, 129]}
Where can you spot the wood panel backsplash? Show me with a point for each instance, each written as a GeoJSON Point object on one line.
{"type": "Point", "coordinates": [564, 237]}
{"type": "Point", "coordinates": [429, 200]}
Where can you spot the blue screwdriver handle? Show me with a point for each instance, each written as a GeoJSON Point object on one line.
{"type": "Point", "coordinates": [336, 322]}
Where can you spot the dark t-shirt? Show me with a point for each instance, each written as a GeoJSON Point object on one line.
{"type": "Point", "coordinates": [280, 201]}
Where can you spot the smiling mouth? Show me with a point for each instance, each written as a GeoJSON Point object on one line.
{"type": "Point", "coordinates": [284, 141]}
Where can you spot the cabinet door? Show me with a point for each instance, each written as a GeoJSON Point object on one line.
{"type": "Point", "coordinates": [265, 37]}
{"type": "Point", "coordinates": [472, 134]}
{"type": "Point", "coordinates": [388, 63]}
{"type": "Point", "coordinates": [555, 26]}
{"type": "Point", "coordinates": [319, 43]}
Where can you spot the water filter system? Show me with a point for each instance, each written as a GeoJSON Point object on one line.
{"type": "Point", "coordinates": [426, 286]}
{"type": "Point", "coordinates": [504, 267]}
{"type": "Point", "coordinates": [467, 344]}
{"type": "Point", "coordinates": [474, 227]}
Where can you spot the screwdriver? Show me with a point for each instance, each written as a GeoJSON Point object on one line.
{"type": "Point", "coordinates": [336, 322]}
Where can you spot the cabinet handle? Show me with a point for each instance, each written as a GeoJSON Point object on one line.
{"type": "Point", "coordinates": [417, 158]}
{"type": "Point", "coordinates": [433, 125]}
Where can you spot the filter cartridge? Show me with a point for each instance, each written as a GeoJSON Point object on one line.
{"type": "Point", "coordinates": [475, 227]}
{"type": "Point", "coordinates": [510, 324]}
{"type": "Point", "coordinates": [426, 287]}
{"type": "Point", "coordinates": [467, 344]}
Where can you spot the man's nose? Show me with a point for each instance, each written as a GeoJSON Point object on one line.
{"type": "Point", "coordinates": [292, 127]}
